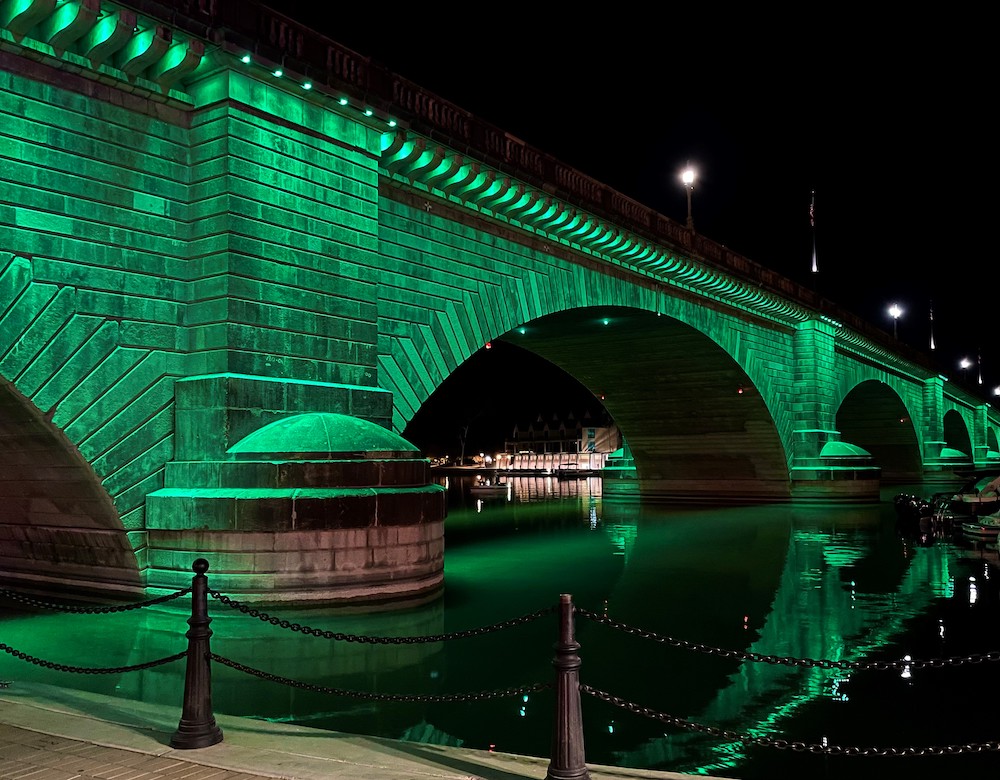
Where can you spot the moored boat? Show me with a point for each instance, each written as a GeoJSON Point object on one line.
{"type": "Point", "coordinates": [985, 527]}
{"type": "Point", "coordinates": [486, 488]}
{"type": "Point", "coordinates": [977, 497]}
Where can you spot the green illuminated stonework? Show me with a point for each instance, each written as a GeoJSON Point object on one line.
{"type": "Point", "coordinates": [318, 507]}
{"type": "Point", "coordinates": [197, 256]}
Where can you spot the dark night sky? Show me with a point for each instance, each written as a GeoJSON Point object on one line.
{"type": "Point", "coordinates": [886, 118]}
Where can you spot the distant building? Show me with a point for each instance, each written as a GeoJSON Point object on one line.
{"type": "Point", "coordinates": [561, 443]}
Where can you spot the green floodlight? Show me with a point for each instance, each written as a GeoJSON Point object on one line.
{"type": "Point", "coordinates": [245, 59]}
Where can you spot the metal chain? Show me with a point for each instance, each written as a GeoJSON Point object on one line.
{"type": "Point", "coordinates": [776, 659]}
{"type": "Point", "coordinates": [436, 698]}
{"type": "Point", "coordinates": [89, 670]}
{"type": "Point", "coordinates": [784, 744]}
{"type": "Point", "coordinates": [92, 610]}
{"type": "Point", "coordinates": [378, 640]}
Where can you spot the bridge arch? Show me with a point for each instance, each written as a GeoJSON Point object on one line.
{"type": "Point", "coordinates": [60, 524]}
{"type": "Point", "coordinates": [661, 361]}
{"type": "Point", "coordinates": [698, 425]}
{"type": "Point", "coordinates": [957, 437]}
{"type": "Point", "coordinates": [875, 417]}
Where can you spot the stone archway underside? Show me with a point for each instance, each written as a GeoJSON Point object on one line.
{"type": "Point", "coordinates": [873, 417]}
{"type": "Point", "coordinates": [60, 529]}
{"type": "Point", "coordinates": [676, 397]}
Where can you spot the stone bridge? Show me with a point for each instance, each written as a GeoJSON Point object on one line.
{"type": "Point", "coordinates": [236, 258]}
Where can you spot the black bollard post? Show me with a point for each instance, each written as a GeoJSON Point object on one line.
{"type": "Point", "coordinates": [568, 761]}
{"type": "Point", "coordinates": [197, 728]}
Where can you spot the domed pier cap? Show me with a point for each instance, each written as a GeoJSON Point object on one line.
{"type": "Point", "coordinates": [323, 436]}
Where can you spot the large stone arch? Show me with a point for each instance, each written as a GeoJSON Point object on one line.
{"type": "Point", "coordinates": [479, 281]}
{"type": "Point", "coordinates": [697, 424]}
{"type": "Point", "coordinates": [874, 417]}
{"type": "Point", "coordinates": [957, 438]}
{"type": "Point", "coordinates": [61, 528]}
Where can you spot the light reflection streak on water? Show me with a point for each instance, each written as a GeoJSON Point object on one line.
{"type": "Point", "coordinates": [810, 589]}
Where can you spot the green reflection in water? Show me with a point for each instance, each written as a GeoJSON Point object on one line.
{"type": "Point", "coordinates": [803, 582]}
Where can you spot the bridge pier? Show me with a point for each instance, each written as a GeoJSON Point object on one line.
{"type": "Point", "coordinates": [311, 507]}
{"type": "Point", "coordinates": [828, 469]}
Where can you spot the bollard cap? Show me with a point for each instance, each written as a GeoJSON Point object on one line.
{"type": "Point", "coordinates": [200, 566]}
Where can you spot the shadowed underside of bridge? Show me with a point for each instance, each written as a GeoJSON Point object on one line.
{"type": "Point", "coordinates": [696, 425]}
{"type": "Point", "coordinates": [873, 417]}
{"type": "Point", "coordinates": [54, 509]}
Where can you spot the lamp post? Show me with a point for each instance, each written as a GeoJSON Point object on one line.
{"type": "Point", "coordinates": [964, 365]}
{"type": "Point", "coordinates": [895, 311]}
{"type": "Point", "coordinates": [687, 177]}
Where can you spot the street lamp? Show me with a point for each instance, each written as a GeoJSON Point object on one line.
{"type": "Point", "coordinates": [894, 312]}
{"type": "Point", "coordinates": [964, 365]}
{"type": "Point", "coordinates": [688, 178]}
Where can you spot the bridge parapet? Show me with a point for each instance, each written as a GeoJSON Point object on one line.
{"type": "Point", "coordinates": [130, 46]}
{"type": "Point", "coordinates": [105, 41]}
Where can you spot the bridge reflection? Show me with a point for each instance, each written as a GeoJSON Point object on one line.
{"type": "Point", "coordinates": [817, 613]}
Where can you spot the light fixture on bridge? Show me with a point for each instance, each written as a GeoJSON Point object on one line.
{"type": "Point", "coordinates": [688, 177]}
{"type": "Point", "coordinates": [965, 364]}
{"type": "Point", "coordinates": [895, 312]}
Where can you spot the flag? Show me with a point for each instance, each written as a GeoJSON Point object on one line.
{"type": "Point", "coordinates": [812, 224]}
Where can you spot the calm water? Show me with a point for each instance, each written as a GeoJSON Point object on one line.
{"type": "Point", "coordinates": [826, 582]}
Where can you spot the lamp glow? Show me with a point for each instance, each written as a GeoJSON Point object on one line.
{"type": "Point", "coordinates": [687, 177]}
{"type": "Point", "coordinates": [895, 311]}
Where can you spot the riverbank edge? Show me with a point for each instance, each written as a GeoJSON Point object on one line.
{"type": "Point", "coordinates": [256, 748]}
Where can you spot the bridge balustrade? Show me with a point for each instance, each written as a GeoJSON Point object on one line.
{"type": "Point", "coordinates": [298, 48]}
{"type": "Point", "coordinates": [197, 727]}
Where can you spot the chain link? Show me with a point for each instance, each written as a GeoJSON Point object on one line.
{"type": "Point", "coordinates": [89, 670]}
{"type": "Point", "coordinates": [91, 610]}
{"type": "Point", "coordinates": [378, 640]}
{"type": "Point", "coordinates": [935, 663]}
{"type": "Point", "coordinates": [784, 744]}
{"type": "Point", "coordinates": [435, 698]}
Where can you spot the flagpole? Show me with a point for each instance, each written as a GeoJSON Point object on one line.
{"type": "Point", "coordinates": [931, 304]}
{"type": "Point", "coordinates": [812, 226]}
